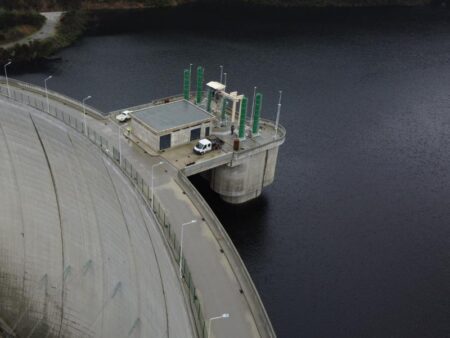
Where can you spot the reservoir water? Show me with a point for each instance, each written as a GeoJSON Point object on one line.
{"type": "Point", "coordinates": [353, 238]}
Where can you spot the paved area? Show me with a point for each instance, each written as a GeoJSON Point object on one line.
{"type": "Point", "coordinates": [218, 277]}
{"type": "Point", "coordinates": [81, 255]}
{"type": "Point", "coordinates": [46, 31]}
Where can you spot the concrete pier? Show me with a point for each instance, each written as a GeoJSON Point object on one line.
{"type": "Point", "coordinates": [250, 169]}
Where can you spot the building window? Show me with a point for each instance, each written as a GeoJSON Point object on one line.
{"type": "Point", "coordinates": [165, 141]}
{"type": "Point", "coordinates": [195, 134]}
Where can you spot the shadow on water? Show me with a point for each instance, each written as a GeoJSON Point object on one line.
{"type": "Point", "coordinates": [245, 224]}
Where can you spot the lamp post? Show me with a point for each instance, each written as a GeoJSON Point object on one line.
{"type": "Point", "coordinates": [278, 115]}
{"type": "Point", "coordinates": [84, 112]}
{"type": "Point", "coordinates": [120, 145]}
{"type": "Point", "coordinates": [181, 244]}
{"type": "Point", "coordinates": [225, 315]}
{"type": "Point", "coordinates": [190, 79]}
{"type": "Point", "coordinates": [153, 195]}
{"type": "Point", "coordinates": [221, 73]}
{"type": "Point", "coordinates": [46, 93]}
{"type": "Point", "coordinates": [253, 106]}
{"type": "Point", "coordinates": [6, 75]}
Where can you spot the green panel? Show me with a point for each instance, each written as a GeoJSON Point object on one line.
{"type": "Point", "coordinates": [242, 118]}
{"type": "Point", "coordinates": [224, 107]}
{"type": "Point", "coordinates": [210, 94]}
{"type": "Point", "coordinates": [199, 84]}
{"type": "Point", "coordinates": [258, 104]}
{"type": "Point", "coordinates": [186, 84]}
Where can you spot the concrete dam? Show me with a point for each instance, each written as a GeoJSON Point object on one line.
{"type": "Point", "coordinates": [103, 235]}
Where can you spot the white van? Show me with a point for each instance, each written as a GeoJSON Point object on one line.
{"type": "Point", "coordinates": [203, 146]}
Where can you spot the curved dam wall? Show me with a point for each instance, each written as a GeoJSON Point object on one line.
{"type": "Point", "coordinates": [81, 255]}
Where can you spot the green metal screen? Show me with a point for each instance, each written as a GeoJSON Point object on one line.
{"type": "Point", "coordinates": [242, 118]}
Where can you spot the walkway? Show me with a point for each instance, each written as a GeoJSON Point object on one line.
{"type": "Point", "coordinates": [46, 31]}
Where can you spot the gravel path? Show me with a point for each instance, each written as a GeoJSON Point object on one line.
{"type": "Point", "coordinates": [46, 31]}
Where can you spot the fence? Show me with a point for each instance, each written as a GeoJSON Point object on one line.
{"type": "Point", "coordinates": [134, 176]}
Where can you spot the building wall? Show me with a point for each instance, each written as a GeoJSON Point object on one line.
{"type": "Point", "coordinates": [144, 134]}
{"type": "Point", "coordinates": [183, 136]}
{"type": "Point", "coordinates": [179, 137]}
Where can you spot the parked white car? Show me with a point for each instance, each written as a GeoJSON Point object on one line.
{"type": "Point", "coordinates": [124, 116]}
{"type": "Point", "coordinates": [203, 146]}
{"type": "Point", "coordinates": [208, 144]}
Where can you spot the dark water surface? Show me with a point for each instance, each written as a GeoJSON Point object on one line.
{"type": "Point", "coordinates": [353, 238]}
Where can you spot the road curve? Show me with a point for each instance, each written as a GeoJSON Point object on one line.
{"type": "Point", "coordinates": [47, 30]}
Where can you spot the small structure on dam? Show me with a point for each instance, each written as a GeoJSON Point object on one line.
{"type": "Point", "coordinates": [171, 124]}
{"type": "Point", "coordinates": [238, 170]}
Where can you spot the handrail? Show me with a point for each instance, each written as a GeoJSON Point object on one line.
{"type": "Point", "coordinates": [97, 114]}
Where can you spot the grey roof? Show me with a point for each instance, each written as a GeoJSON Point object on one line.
{"type": "Point", "coordinates": [172, 115]}
{"type": "Point", "coordinates": [80, 254]}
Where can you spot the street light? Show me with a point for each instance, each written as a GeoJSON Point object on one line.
{"type": "Point", "coordinates": [225, 315]}
{"type": "Point", "coordinates": [190, 79]}
{"type": "Point", "coordinates": [253, 107]}
{"type": "Point", "coordinates": [6, 75]}
{"type": "Point", "coordinates": [153, 167]}
{"type": "Point", "coordinates": [278, 115]}
{"type": "Point", "coordinates": [221, 73]}
{"type": "Point", "coordinates": [46, 93]}
{"type": "Point", "coordinates": [181, 245]}
{"type": "Point", "coordinates": [84, 113]}
{"type": "Point", "coordinates": [120, 146]}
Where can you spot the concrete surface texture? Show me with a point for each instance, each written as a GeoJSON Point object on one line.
{"type": "Point", "coordinates": [80, 254]}
{"type": "Point", "coordinates": [222, 282]}
{"type": "Point", "coordinates": [47, 30]}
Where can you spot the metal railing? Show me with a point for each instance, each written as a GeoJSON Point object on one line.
{"type": "Point", "coordinates": [91, 111]}
{"type": "Point", "coordinates": [136, 179]}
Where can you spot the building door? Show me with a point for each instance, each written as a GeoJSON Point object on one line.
{"type": "Point", "coordinates": [195, 134]}
{"type": "Point", "coordinates": [207, 131]}
{"type": "Point", "coordinates": [164, 141]}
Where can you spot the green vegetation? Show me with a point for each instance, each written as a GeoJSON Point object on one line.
{"type": "Point", "coordinates": [69, 29]}
{"type": "Point", "coordinates": [40, 5]}
{"type": "Point", "coordinates": [15, 25]}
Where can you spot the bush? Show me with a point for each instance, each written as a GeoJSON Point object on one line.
{"type": "Point", "coordinates": [69, 29]}
{"type": "Point", "coordinates": [10, 19]}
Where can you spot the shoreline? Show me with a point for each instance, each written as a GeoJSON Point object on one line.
{"type": "Point", "coordinates": [104, 17]}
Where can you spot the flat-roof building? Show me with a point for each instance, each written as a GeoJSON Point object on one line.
{"type": "Point", "coordinates": [171, 124]}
